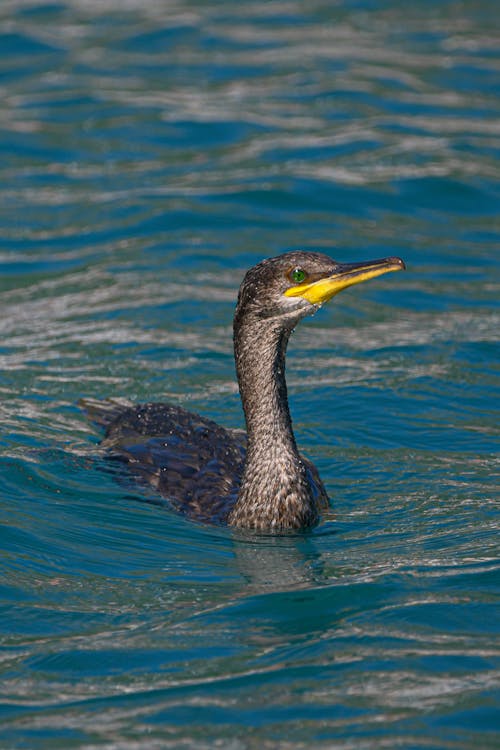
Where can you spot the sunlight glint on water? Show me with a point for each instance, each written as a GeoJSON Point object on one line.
{"type": "Point", "coordinates": [151, 153]}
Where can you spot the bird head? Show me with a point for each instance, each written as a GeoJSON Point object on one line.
{"type": "Point", "coordinates": [296, 284]}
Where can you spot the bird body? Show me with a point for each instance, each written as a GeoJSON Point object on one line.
{"type": "Point", "coordinates": [258, 480]}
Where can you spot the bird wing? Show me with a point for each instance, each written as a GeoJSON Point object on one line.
{"type": "Point", "coordinates": [192, 461]}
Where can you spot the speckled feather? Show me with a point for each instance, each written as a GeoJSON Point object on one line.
{"type": "Point", "coordinates": [192, 461]}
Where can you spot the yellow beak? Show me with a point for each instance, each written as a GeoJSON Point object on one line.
{"type": "Point", "coordinates": [346, 274]}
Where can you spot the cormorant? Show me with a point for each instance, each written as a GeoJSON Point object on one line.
{"type": "Point", "coordinates": [258, 480]}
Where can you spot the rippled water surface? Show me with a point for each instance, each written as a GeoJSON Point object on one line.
{"type": "Point", "coordinates": [150, 153]}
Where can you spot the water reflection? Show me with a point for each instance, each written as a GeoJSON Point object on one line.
{"type": "Point", "coordinates": [276, 563]}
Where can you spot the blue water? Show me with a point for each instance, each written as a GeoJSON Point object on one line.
{"type": "Point", "coordinates": [150, 153]}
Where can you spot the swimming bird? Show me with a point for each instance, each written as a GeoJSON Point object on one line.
{"type": "Point", "coordinates": [258, 479]}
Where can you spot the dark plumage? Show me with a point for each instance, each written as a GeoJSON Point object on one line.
{"type": "Point", "coordinates": [258, 480]}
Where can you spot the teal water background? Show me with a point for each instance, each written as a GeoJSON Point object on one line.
{"type": "Point", "coordinates": [151, 152]}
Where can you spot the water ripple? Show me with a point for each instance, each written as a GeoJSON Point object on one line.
{"type": "Point", "coordinates": [151, 152]}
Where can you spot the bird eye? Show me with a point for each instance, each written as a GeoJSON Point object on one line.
{"type": "Point", "coordinates": [298, 275]}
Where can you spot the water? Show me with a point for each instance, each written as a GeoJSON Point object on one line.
{"type": "Point", "coordinates": [150, 153]}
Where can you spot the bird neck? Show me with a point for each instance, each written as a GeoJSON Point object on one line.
{"type": "Point", "coordinates": [260, 366]}
{"type": "Point", "coordinates": [275, 490]}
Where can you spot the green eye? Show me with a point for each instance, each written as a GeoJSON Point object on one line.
{"type": "Point", "coordinates": [298, 275]}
